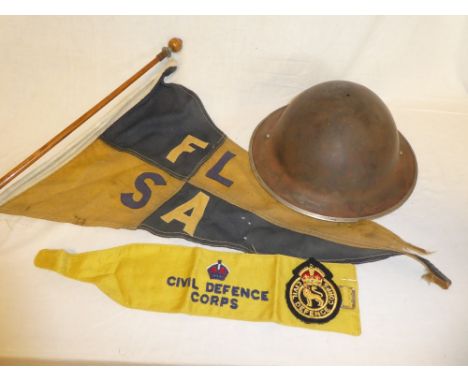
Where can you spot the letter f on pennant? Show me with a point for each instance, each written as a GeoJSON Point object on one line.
{"type": "Point", "coordinates": [186, 146]}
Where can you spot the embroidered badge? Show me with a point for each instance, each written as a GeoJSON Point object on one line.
{"type": "Point", "coordinates": [311, 294]}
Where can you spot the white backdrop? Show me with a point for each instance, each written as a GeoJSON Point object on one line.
{"type": "Point", "coordinates": [52, 69]}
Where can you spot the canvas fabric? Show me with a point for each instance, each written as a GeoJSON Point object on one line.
{"type": "Point", "coordinates": [176, 279]}
{"type": "Point", "coordinates": [166, 168]}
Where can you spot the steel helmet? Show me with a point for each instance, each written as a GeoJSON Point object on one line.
{"type": "Point", "coordinates": [334, 153]}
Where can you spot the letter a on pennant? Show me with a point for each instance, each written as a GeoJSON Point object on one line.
{"type": "Point", "coordinates": [197, 205]}
{"type": "Point", "coordinates": [186, 146]}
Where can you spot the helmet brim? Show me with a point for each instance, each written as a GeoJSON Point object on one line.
{"type": "Point", "coordinates": [382, 198]}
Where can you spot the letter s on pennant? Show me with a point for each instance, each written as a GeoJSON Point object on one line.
{"type": "Point", "coordinates": [128, 200]}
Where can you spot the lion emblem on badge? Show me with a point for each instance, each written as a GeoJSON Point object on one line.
{"type": "Point", "coordinates": [311, 294]}
{"type": "Point", "coordinates": [312, 280]}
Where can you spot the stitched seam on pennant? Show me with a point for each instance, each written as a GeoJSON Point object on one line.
{"type": "Point", "coordinates": [166, 200]}
{"type": "Point", "coordinates": [222, 137]}
{"type": "Point", "coordinates": [266, 216]}
{"type": "Point", "coordinates": [146, 98]}
{"type": "Point", "coordinates": [143, 157]}
{"type": "Point", "coordinates": [346, 259]}
{"type": "Point", "coordinates": [185, 181]}
{"type": "Point", "coordinates": [187, 236]}
{"type": "Point", "coordinates": [272, 220]}
{"type": "Point", "coordinates": [159, 165]}
{"type": "Point", "coordinates": [208, 155]}
{"type": "Point", "coordinates": [199, 103]}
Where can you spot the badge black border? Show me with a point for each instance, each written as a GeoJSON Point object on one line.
{"type": "Point", "coordinates": [329, 276]}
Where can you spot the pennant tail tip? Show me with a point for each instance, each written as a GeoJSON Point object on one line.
{"type": "Point", "coordinates": [415, 250]}
{"type": "Point", "coordinates": [441, 280]}
{"type": "Point", "coordinates": [433, 274]}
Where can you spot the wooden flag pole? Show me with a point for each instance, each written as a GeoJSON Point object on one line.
{"type": "Point", "coordinates": [174, 45]}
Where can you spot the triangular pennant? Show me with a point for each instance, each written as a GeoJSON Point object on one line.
{"type": "Point", "coordinates": [165, 167]}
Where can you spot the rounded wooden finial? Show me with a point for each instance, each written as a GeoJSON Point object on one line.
{"type": "Point", "coordinates": [175, 44]}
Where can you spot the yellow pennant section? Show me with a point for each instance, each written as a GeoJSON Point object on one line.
{"type": "Point", "coordinates": [243, 190]}
{"type": "Point", "coordinates": [197, 281]}
{"type": "Point", "coordinates": [100, 187]}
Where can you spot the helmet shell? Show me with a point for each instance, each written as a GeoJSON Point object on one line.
{"type": "Point", "coordinates": [334, 153]}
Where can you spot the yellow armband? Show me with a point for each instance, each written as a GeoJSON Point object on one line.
{"type": "Point", "coordinates": [251, 287]}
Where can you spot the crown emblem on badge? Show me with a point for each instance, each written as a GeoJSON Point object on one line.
{"type": "Point", "coordinates": [312, 275]}
{"type": "Point", "coordinates": [218, 271]}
